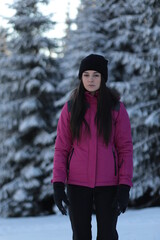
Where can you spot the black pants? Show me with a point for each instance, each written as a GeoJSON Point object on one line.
{"type": "Point", "coordinates": [82, 200]}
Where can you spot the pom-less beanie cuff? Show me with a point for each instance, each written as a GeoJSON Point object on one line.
{"type": "Point", "coordinates": [94, 62]}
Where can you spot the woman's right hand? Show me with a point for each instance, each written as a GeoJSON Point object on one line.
{"type": "Point", "coordinates": [60, 196]}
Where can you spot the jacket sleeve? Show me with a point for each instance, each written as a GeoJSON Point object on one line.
{"type": "Point", "coordinates": [63, 146]}
{"type": "Point", "coordinates": [124, 146]}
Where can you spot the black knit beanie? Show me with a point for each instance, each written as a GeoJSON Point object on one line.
{"type": "Point", "coordinates": [94, 62]}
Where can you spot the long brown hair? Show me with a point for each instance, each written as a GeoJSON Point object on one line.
{"type": "Point", "coordinates": [107, 99]}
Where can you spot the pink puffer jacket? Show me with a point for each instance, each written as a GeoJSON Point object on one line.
{"type": "Point", "coordinates": [90, 162]}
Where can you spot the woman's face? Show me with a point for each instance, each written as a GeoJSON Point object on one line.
{"type": "Point", "coordinates": [91, 81]}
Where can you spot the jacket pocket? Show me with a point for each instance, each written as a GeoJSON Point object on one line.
{"type": "Point", "coordinates": [69, 161]}
{"type": "Point", "coordinates": [115, 165]}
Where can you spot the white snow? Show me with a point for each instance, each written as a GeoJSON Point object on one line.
{"type": "Point", "coordinates": [37, 72]}
{"type": "Point", "coordinates": [30, 172]}
{"type": "Point", "coordinates": [153, 119]}
{"type": "Point", "coordinates": [47, 88]}
{"type": "Point", "coordinates": [133, 225]}
{"type": "Point", "coordinates": [32, 84]}
{"type": "Point", "coordinates": [32, 121]}
{"type": "Point", "coordinates": [30, 105]}
{"type": "Point", "coordinates": [44, 138]}
{"type": "Point", "coordinates": [20, 195]}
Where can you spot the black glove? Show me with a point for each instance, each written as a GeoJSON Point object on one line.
{"type": "Point", "coordinates": [59, 196]}
{"type": "Point", "coordinates": [121, 200]}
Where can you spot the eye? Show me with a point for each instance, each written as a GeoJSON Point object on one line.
{"type": "Point", "coordinates": [96, 75]}
{"type": "Point", "coordinates": [85, 75]}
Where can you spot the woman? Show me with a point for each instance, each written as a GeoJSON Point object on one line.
{"type": "Point", "coordinates": [93, 154]}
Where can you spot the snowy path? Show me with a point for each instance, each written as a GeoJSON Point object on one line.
{"type": "Point", "coordinates": [133, 225]}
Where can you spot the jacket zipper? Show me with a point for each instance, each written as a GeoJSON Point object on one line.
{"type": "Point", "coordinates": [115, 167]}
{"type": "Point", "coordinates": [68, 162]}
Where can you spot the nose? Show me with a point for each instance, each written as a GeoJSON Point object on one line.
{"type": "Point", "coordinates": [91, 78]}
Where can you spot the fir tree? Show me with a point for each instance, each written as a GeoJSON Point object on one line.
{"type": "Point", "coordinates": [3, 41]}
{"type": "Point", "coordinates": [133, 50]}
{"type": "Point", "coordinates": [87, 38]}
{"type": "Point", "coordinates": [29, 77]}
{"type": "Point", "coordinates": [3, 98]}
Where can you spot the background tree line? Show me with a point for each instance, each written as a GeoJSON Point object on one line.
{"type": "Point", "coordinates": [34, 85]}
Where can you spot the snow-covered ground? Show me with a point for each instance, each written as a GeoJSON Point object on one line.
{"type": "Point", "coordinates": [133, 225]}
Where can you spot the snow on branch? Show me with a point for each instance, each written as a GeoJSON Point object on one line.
{"type": "Point", "coordinates": [30, 122]}
{"type": "Point", "coordinates": [148, 139]}
{"type": "Point", "coordinates": [153, 119]}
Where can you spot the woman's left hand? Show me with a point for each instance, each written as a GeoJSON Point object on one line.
{"type": "Point", "coordinates": [121, 200]}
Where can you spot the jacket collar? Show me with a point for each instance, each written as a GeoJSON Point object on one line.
{"type": "Point", "coordinates": [91, 98]}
